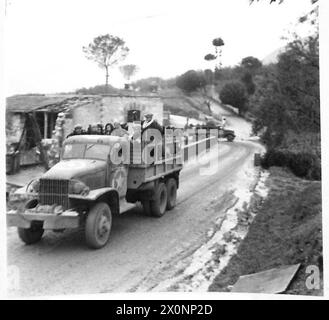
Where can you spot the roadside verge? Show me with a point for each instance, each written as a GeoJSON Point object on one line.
{"type": "Point", "coordinates": [287, 230]}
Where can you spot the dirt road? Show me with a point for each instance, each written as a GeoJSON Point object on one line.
{"type": "Point", "coordinates": [142, 251]}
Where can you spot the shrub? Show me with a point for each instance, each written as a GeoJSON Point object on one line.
{"type": "Point", "coordinates": [302, 164]}
{"type": "Point", "coordinates": [234, 94]}
{"type": "Point", "coordinates": [277, 158]}
{"type": "Point", "coordinates": [191, 81]}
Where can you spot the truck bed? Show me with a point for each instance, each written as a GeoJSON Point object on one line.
{"type": "Point", "coordinates": [140, 172]}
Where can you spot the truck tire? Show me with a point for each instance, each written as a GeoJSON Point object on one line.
{"type": "Point", "coordinates": [171, 193]}
{"type": "Point", "coordinates": [98, 225]}
{"type": "Point", "coordinates": [230, 138]}
{"type": "Point", "coordinates": [146, 207]}
{"type": "Point", "coordinates": [159, 203]}
{"type": "Point", "coordinates": [31, 235]}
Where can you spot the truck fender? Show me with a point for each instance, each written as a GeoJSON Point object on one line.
{"type": "Point", "coordinates": [108, 195]}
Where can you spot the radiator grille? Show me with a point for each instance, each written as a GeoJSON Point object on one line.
{"type": "Point", "coordinates": [54, 191]}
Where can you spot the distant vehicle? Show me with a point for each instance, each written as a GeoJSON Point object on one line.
{"type": "Point", "coordinates": [87, 187]}
{"type": "Point", "coordinates": [227, 134]}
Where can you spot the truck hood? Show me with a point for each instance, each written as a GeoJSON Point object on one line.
{"type": "Point", "coordinates": [74, 168]}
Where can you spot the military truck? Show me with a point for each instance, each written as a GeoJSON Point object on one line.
{"type": "Point", "coordinates": [88, 186]}
{"type": "Point", "coordinates": [227, 134]}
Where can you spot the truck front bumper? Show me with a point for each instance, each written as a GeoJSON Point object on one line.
{"type": "Point", "coordinates": [66, 220]}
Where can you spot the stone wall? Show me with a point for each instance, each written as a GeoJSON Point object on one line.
{"type": "Point", "coordinates": [14, 127]}
{"type": "Point", "coordinates": [86, 110]}
{"type": "Point", "coordinates": [116, 107]}
{"type": "Point", "coordinates": [85, 115]}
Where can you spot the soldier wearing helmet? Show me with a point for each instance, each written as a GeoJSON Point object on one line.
{"type": "Point", "coordinates": [77, 130]}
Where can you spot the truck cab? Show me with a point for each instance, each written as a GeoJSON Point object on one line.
{"type": "Point", "coordinates": [94, 180]}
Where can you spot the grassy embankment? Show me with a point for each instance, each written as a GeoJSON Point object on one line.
{"type": "Point", "coordinates": [287, 230]}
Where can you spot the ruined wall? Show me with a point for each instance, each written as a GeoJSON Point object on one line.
{"type": "Point", "coordinates": [85, 115]}
{"type": "Point", "coordinates": [109, 108]}
{"type": "Point", "coordinates": [116, 107]}
{"type": "Point", "coordinates": [86, 110]}
{"type": "Point", "coordinates": [14, 127]}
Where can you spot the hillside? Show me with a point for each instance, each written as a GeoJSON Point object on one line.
{"type": "Point", "coordinates": [178, 103]}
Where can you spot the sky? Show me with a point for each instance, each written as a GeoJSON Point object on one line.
{"type": "Point", "coordinates": [44, 38]}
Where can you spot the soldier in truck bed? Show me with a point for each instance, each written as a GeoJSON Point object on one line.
{"type": "Point", "coordinates": [77, 131]}
{"type": "Point", "coordinates": [151, 123]}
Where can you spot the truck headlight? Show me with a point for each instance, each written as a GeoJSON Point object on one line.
{"type": "Point", "coordinates": [78, 187]}
{"type": "Point", "coordinates": [33, 186]}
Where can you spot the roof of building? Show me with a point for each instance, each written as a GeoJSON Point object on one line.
{"type": "Point", "coordinates": [27, 103]}
{"type": "Point", "coordinates": [33, 102]}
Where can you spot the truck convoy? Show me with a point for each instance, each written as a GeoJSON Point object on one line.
{"type": "Point", "coordinates": [89, 185]}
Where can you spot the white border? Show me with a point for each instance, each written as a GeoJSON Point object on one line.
{"type": "Point", "coordinates": [324, 69]}
{"type": "Point", "coordinates": [3, 229]}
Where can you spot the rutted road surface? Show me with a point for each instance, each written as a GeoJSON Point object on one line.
{"type": "Point", "coordinates": [142, 251]}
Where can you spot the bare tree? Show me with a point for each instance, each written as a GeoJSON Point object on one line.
{"type": "Point", "coordinates": [106, 50]}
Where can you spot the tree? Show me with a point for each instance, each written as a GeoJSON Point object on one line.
{"type": "Point", "coordinates": [279, 1]}
{"type": "Point", "coordinates": [210, 57]}
{"type": "Point", "coordinates": [251, 64]}
{"type": "Point", "coordinates": [234, 94]}
{"type": "Point", "coordinates": [149, 84]}
{"type": "Point", "coordinates": [249, 67]}
{"type": "Point", "coordinates": [248, 81]}
{"type": "Point", "coordinates": [218, 43]}
{"type": "Point", "coordinates": [288, 96]}
{"type": "Point", "coordinates": [271, 1]}
{"type": "Point", "coordinates": [191, 81]}
{"type": "Point", "coordinates": [128, 71]}
{"type": "Point", "coordinates": [106, 50]}
{"type": "Point", "coordinates": [209, 76]}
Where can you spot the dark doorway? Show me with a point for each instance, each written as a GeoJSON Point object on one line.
{"type": "Point", "coordinates": [133, 115]}
{"type": "Point", "coordinates": [46, 122]}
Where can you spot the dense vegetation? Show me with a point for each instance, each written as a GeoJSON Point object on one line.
{"type": "Point", "coordinates": [286, 106]}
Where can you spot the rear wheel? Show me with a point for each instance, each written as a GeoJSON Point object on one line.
{"type": "Point", "coordinates": [230, 138]}
{"type": "Point", "coordinates": [171, 193]}
{"type": "Point", "coordinates": [159, 203]}
{"type": "Point", "coordinates": [146, 207]}
{"type": "Point", "coordinates": [31, 235]}
{"type": "Point", "coordinates": [98, 225]}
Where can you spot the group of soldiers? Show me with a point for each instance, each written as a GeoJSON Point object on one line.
{"type": "Point", "coordinates": [116, 129]}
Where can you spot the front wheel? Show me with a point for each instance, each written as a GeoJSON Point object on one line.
{"type": "Point", "coordinates": [230, 138]}
{"type": "Point", "coordinates": [31, 235]}
{"type": "Point", "coordinates": [98, 225]}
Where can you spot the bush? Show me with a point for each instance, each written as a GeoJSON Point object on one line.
{"type": "Point", "coordinates": [191, 81]}
{"type": "Point", "coordinates": [302, 164]}
{"type": "Point", "coordinates": [234, 94]}
{"type": "Point", "coordinates": [100, 89]}
{"type": "Point", "coordinates": [276, 158]}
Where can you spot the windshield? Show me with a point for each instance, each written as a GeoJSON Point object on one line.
{"type": "Point", "coordinates": [73, 151]}
{"type": "Point", "coordinates": [97, 151]}
{"type": "Point", "coordinates": [86, 151]}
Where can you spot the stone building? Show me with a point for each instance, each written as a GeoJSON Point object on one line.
{"type": "Point", "coordinates": [82, 109]}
